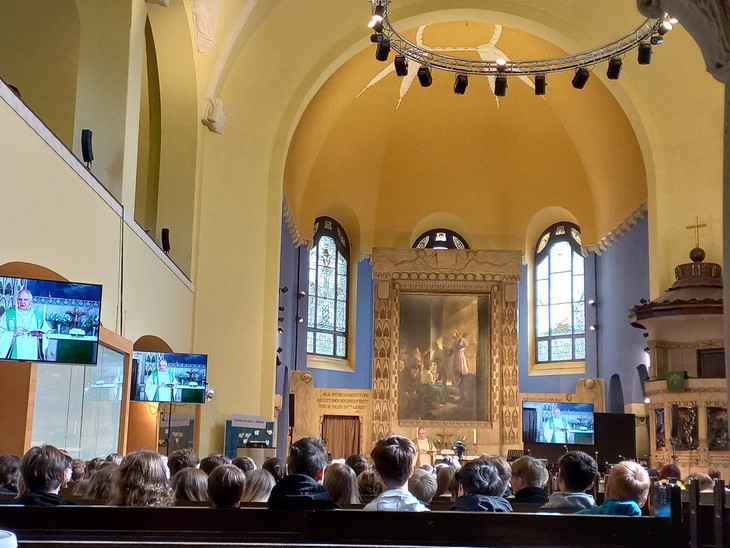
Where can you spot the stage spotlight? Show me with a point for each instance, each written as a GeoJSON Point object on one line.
{"type": "Point", "coordinates": [656, 40]}
{"type": "Point", "coordinates": [500, 86]}
{"type": "Point", "coordinates": [377, 37]}
{"type": "Point", "coordinates": [664, 28]}
{"type": "Point", "coordinates": [280, 330]}
{"type": "Point", "coordinates": [284, 289]}
{"type": "Point", "coordinates": [540, 84]}
{"type": "Point", "coordinates": [301, 294]}
{"type": "Point", "coordinates": [300, 319]}
{"type": "Point", "coordinates": [424, 76]}
{"type": "Point", "coordinates": [644, 57]}
{"type": "Point", "coordinates": [401, 65]}
{"type": "Point", "coordinates": [614, 68]}
{"type": "Point", "coordinates": [593, 327]}
{"type": "Point", "coordinates": [383, 50]}
{"type": "Point", "coordinates": [501, 64]}
{"type": "Point", "coordinates": [377, 18]}
{"type": "Point", "coordinates": [279, 350]}
{"type": "Point", "coordinates": [580, 78]}
{"type": "Point", "coordinates": [278, 361]}
{"type": "Point", "coordinates": [460, 84]}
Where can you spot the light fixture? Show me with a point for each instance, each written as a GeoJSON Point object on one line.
{"type": "Point", "coordinates": [382, 50]}
{"type": "Point", "coordinates": [284, 289]}
{"type": "Point", "coordinates": [281, 309]}
{"type": "Point", "coordinates": [278, 361]}
{"type": "Point", "coordinates": [593, 327]}
{"type": "Point", "coordinates": [501, 65]}
{"type": "Point", "coordinates": [281, 319]}
{"type": "Point", "coordinates": [644, 55]}
{"type": "Point", "coordinates": [540, 84]}
{"type": "Point", "coordinates": [280, 330]}
{"type": "Point", "coordinates": [378, 14]}
{"type": "Point", "coordinates": [592, 302]}
{"type": "Point", "coordinates": [673, 20]}
{"type": "Point", "coordinates": [424, 76]}
{"type": "Point", "coordinates": [300, 319]}
{"type": "Point", "coordinates": [656, 40]}
{"type": "Point", "coordinates": [644, 377]}
{"type": "Point", "coordinates": [500, 86]}
{"type": "Point", "coordinates": [581, 77]}
{"type": "Point", "coordinates": [614, 68]}
{"type": "Point", "coordinates": [279, 350]}
{"type": "Point", "coordinates": [664, 28]}
{"type": "Point", "coordinates": [460, 84]}
{"type": "Point", "coordinates": [401, 65]}
{"type": "Point", "coordinates": [302, 294]}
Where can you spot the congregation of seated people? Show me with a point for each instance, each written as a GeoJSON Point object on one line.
{"type": "Point", "coordinates": [309, 479]}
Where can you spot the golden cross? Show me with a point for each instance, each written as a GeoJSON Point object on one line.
{"type": "Point", "coordinates": [696, 227]}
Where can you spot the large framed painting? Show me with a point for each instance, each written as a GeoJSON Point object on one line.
{"type": "Point", "coordinates": [443, 362]}
{"type": "Point", "coordinates": [445, 344]}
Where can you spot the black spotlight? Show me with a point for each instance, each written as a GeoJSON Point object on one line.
{"type": "Point", "coordinates": [383, 50]}
{"type": "Point", "coordinates": [614, 68]}
{"type": "Point", "coordinates": [500, 86]}
{"type": "Point", "coordinates": [401, 65]}
{"type": "Point", "coordinates": [540, 84]}
{"type": "Point", "coordinates": [656, 40]}
{"type": "Point", "coordinates": [460, 83]}
{"type": "Point", "coordinates": [377, 37]}
{"type": "Point", "coordinates": [580, 78]}
{"type": "Point", "coordinates": [644, 56]}
{"type": "Point", "coordinates": [424, 76]}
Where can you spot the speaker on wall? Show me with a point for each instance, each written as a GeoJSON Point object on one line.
{"type": "Point", "coordinates": [292, 399]}
{"type": "Point", "coordinates": [166, 240]}
{"type": "Point", "coordinates": [86, 149]}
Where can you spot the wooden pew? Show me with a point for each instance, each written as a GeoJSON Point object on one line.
{"type": "Point", "coordinates": [90, 526]}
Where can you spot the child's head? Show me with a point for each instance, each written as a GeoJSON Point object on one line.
{"type": "Point", "coordinates": [422, 485]}
{"type": "Point", "coordinates": [393, 458]}
{"type": "Point", "coordinates": [628, 481]}
{"type": "Point", "coordinates": [225, 486]}
{"type": "Point", "coordinates": [503, 469]}
{"type": "Point", "coordinates": [479, 477]}
{"type": "Point", "coordinates": [577, 471]}
{"type": "Point", "coordinates": [528, 472]}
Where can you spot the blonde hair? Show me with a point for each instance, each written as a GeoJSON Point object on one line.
{"type": "Point", "coordinates": [704, 481]}
{"type": "Point", "coordinates": [142, 481]}
{"type": "Point", "coordinates": [530, 470]}
{"type": "Point", "coordinates": [259, 484]}
{"type": "Point", "coordinates": [628, 481]}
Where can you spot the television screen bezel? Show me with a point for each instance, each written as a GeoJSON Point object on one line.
{"type": "Point", "coordinates": [28, 282]}
{"type": "Point", "coordinates": [135, 372]}
{"type": "Point", "coordinates": [561, 405]}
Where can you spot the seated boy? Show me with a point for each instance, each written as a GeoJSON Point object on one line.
{"type": "Point", "coordinates": [576, 474]}
{"type": "Point", "coordinates": [422, 484]}
{"type": "Point", "coordinates": [225, 486]}
{"type": "Point", "coordinates": [480, 488]}
{"type": "Point", "coordinates": [529, 477]}
{"type": "Point", "coordinates": [626, 491]}
{"type": "Point", "coordinates": [393, 458]}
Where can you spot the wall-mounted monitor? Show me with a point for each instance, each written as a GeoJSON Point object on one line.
{"type": "Point", "coordinates": [49, 321]}
{"type": "Point", "coordinates": [166, 377]}
{"type": "Point", "coordinates": [558, 423]}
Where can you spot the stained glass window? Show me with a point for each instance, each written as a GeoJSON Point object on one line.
{"type": "Point", "coordinates": [440, 238]}
{"type": "Point", "coordinates": [560, 324]}
{"type": "Point", "coordinates": [328, 288]}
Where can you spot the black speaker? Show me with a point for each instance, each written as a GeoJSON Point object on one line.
{"type": "Point", "coordinates": [292, 399]}
{"type": "Point", "coordinates": [86, 150]}
{"type": "Point", "coordinates": [165, 240]}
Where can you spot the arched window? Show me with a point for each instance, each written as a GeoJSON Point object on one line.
{"type": "Point", "coordinates": [440, 238]}
{"type": "Point", "coordinates": [328, 284]}
{"type": "Point", "coordinates": [560, 324]}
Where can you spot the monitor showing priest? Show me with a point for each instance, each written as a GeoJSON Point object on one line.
{"type": "Point", "coordinates": [23, 330]}
{"type": "Point", "coordinates": [161, 384]}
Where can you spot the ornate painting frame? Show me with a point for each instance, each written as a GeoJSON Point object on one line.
{"type": "Point", "coordinates": [449, 272]}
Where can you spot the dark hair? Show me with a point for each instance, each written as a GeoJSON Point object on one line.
{"type": "Point", "coordinates": [422, 484]}
{"type": "Point", "coordinates": [114, 458]}
{"type": "Point", "coordinates": [42, 468]}
{"type": "Point", "coordinates": [101, 484]}
{"type": "Point", "coordinates": [78, 470]}
{"type": "Point", "coordinates": [341, 484]}
{"type": "Point", "coordinates": [444, 475]}
{"type": "Point", "coordinates": [359, 463]}
{"type": "Point", "coordinates": [182, 458]}
{"type": "Point", "coordinates": [93, 465]}
{"type": "Point", "coordinates": [714, 472]}
{"type": "Point", "coordinates": [368, 484]}
{"type": "Point", "coordinates": [479, 477]}
{"type": "Point", "coordinates": [213, 461]}
{"type": "Point", "coordinates": [276, 467]}
{"type": "Point", "coordinates": [246, 464]}
{"type": "Point", "coordinates": [503, 469]}
{"type": "Point", "coordinates": [190, 484]}
{"type": "Point", "coordinates": [9, 471]}
{"type": "Point", "coordinates": [393, 457]}
{"type": "Point", "coordinates": [307, 456]}
{"type": "Point", "coordinates": [670, 471]}
{"type": "Point", "coordinates": [225, 486]}
{"type": "Point", "coordinates": [577, 470]}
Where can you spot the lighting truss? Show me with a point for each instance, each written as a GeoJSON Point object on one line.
{"type": "Point", "coordinates": [437, 60]}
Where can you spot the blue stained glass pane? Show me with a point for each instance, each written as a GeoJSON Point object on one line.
{"type": "Point", "coordinates": [580, 348]}
{"type": "Point", "coordinates": [579, 318]}
{"type": "Point", "coordinates": [341, 288]}
{"type": "Point", "coordinates": [310, 342]}
{"type": "Point", "coordinates": [326, 283]}
{"type": "Point", "coordinates": [325, 313]}
{"type": "Point", "coordinates": [341, 264]}
{"type": "Point", "coordinates": [543, 321]}
{"type": "Point", "coordinates": [560, 288]}
{"type": "Point", "coordinates": [325, 344]}
{"type": "Point", "coordinates": [541, 271]}
{"type": "Point", "coordinates": [311, 309]}
{"type": "Point", "coordinates": [341, 347]}
{"type": "Point", "coordinates": [561, 349]}
{"type": "Point", "coordinates": [560, 257]}
{"type": "Point", "coordinates": [341, 320]}
{"type": "Point", "coordinates": [578, 263]}
{"type": "Point", "coordinates": [543, 292]}
{"type": "Point", "coordinates": [561, 319]}
{"type": "Point", "coordinates": [542, 351]}
{"type": "Point", "coordinates": [312, 260]}
{"type": "Point", "coordinates": [578, 293]}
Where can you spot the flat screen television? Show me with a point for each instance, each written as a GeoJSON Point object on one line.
{"type": "Point", "coordinates": [558, 423]}
{"type": "Point", "coordinates": [166, 377]}
{"type": "Point", "coordinates": [46, 321]}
